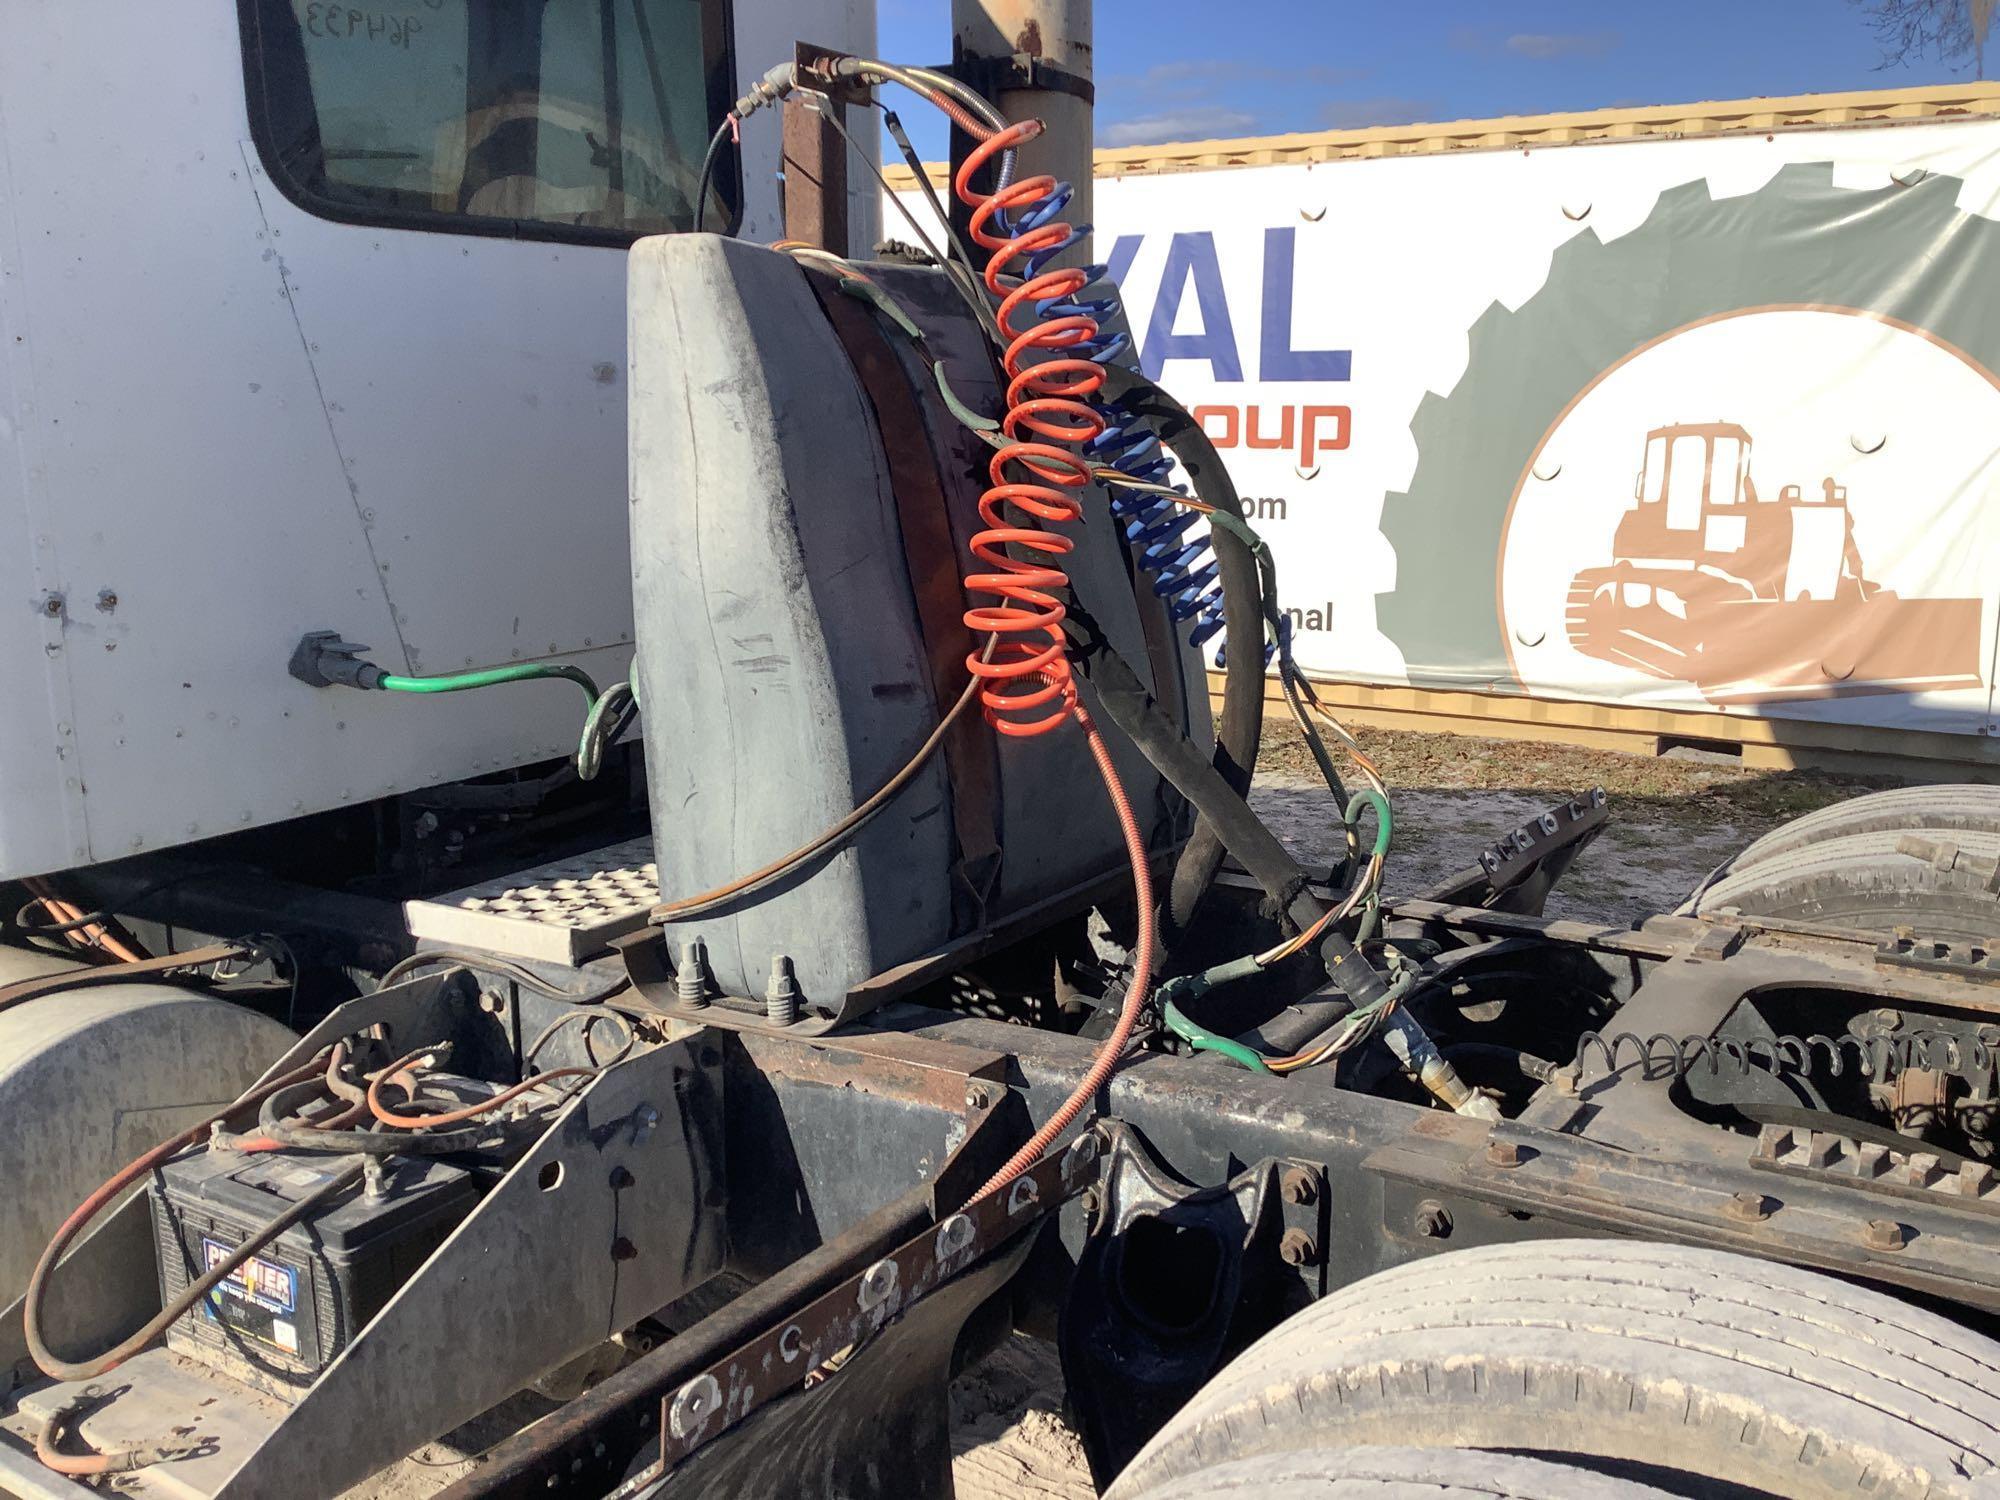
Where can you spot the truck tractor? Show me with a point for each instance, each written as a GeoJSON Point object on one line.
{"type": "Point", "coordinates": [1755, 598]}
{"type": "Point", "coordinates": [615, 839]}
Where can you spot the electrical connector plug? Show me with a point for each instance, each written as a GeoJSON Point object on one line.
{"type": "Point", "coordinates": [323, 659]}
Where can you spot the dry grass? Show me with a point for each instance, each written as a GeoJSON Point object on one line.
{"type": "Point", "coordinates": [1689, 792]}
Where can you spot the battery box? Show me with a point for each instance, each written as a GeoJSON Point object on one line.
{"type": "Point", "coordinates": [282, 1317]}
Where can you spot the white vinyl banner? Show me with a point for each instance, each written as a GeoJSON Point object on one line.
{"type": "Point", "coordinates": [1709, 424]}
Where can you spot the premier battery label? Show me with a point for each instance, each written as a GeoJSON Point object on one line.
{"type": "Point", "coordinates": [258, 1298]}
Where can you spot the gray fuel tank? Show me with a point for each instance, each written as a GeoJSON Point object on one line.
{"type": "Point", "coordinates": [797, 600]}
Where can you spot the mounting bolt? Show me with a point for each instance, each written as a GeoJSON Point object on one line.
{"type": "Point", "coordinates": [1298, 1248]}
{"type": "Point", "coordinates": [52, 606]}
{"type": "Point", "coordinates": [1433, 1220]}
{"type": "Point", "coordinates": [1093, 1202]}
{"type": "Point", "coordinates": [977, 1096]}
{"type": "Point", "coordinates": [781, 995]}
{"type": "Point", "coordinates": [1298, 1185]}
{"type": "Point", "coordinates": [1503, 1154]}
{"type": "Point", "coordinates": [492, 1002]}
{"type": "Point", "coordinates": [1566, 1081]}
{"type": "Point", "coordinates": [693, 1404]}
{"type": "Point", "coordinates": [1747, 1206]}
{"type": "Point", "coordinates": [691, 974]}
{"type": "Point", "coordinates": [878, 1284]}
{"type": "Point", "coordinates": [1884, 1234]}
{"type": "Point", "coordinates": [1887, 1019]}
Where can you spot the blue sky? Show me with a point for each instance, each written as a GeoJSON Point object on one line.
{"type": "Point", "coordinates": [1193, 69]}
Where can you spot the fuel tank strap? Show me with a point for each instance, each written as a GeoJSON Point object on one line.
{"type": "Point", "coordinates": [22, 991]}
{"type": "Point", "coordinates": [931, 552]}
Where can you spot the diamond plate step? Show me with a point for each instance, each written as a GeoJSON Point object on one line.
{"type": "Point", "coordinates": [563, 912]}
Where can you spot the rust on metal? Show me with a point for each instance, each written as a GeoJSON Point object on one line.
{"type": "Point", "coordinates": [779, 1360]}
{"type": "Point", "coordinates": [814, 162]}
{"type": "Point", "coordinates": [912, 1068]}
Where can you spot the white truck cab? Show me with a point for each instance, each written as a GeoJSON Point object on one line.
{"type": "Point", "coordinates": [312, 317]}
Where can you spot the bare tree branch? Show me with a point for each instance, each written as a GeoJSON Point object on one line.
{"type": "Point", "coordinates": [1950, 31]}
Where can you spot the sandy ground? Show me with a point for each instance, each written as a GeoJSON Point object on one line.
{"type": "Point", "coordinates": [1672, 820]}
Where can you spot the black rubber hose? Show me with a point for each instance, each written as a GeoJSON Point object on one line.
{"type": "Point", "coordinates": [1240, 725]}
{"type": "Point", "coordinates": [1306, 1020]}
{"type": "Point", "coordinates": [1126, 703]}
{"type": "Point", "coordinates": [709, 160]}
{"type": "Point", "coordinates": [273, 1120]}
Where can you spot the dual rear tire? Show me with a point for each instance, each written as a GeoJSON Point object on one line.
{"type": "Point", "coordinates": [1591, 1370]}
{"type": "Point", "coordinates": [1841, 866]}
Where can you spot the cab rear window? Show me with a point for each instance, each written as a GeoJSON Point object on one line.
{"type": "Point", "coordinates": [547, 119]}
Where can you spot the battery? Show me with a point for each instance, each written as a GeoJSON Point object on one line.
{"type": "Point", "coordinates": [284, 1314]}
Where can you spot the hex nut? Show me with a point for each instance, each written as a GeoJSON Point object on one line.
{"type": "Point", "coordinates": [1299, 1185]}
{"type": "Point", "coordinates": [1297, 1248]}
{"type": "Point", "coordinates": [1433, 1220]}
{"type": "Point", "coordinates": [1503, 1154]}
{"type": "Point", "coordinates": [1885, 1234]}
{"type": "Point", "coordinates": [1751, 1208]}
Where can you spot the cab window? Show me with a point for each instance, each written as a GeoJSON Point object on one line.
{"type": "Point", "coordinates": [578, 119]}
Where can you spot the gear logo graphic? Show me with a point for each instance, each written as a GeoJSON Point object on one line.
{"type": "Point", "coordinates": [1740, 455]}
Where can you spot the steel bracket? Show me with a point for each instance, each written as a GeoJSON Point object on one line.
{"type": "Point", "coordinates": [1174, 1280]}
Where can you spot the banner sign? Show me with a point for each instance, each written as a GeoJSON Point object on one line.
{"type": "Point", "coordinates": [1706, 424]}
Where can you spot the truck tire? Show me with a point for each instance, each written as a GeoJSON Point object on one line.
{"type": "Point", "coordinates": [1399, 1474]}
{"type": "Point", "coordinates": [1950, 809]}
{"type": "Point", "coordinates": [1676, 1365]}
{"type": "Point", "coordinates": [1860, 881]}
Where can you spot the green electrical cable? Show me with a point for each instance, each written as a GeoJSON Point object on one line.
{"type": "Point", "coordinates": [1384, 824]}
{"type": "Point", "coordinates": [869, 292]}
{"type": "Point", "coordinates": [1203, 1040]}
{"type": "Point", "coordinates": [1191, 986]}
{"type": "Point", "coordinates": [609, 710]}
{"type": "Point", "coordinates": [458, 682]}
{"type": "Point", "coordinates": [608, 717]}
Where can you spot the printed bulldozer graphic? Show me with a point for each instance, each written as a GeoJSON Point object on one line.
{"type": "Point", "coordinates": [1755, 598]}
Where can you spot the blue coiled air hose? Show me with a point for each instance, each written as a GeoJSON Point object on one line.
{"type": "Point", "coordinates": [1183, 569]}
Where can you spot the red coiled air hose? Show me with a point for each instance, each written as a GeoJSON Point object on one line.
{"type": "Point", "coordinates": [1045, 400]}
